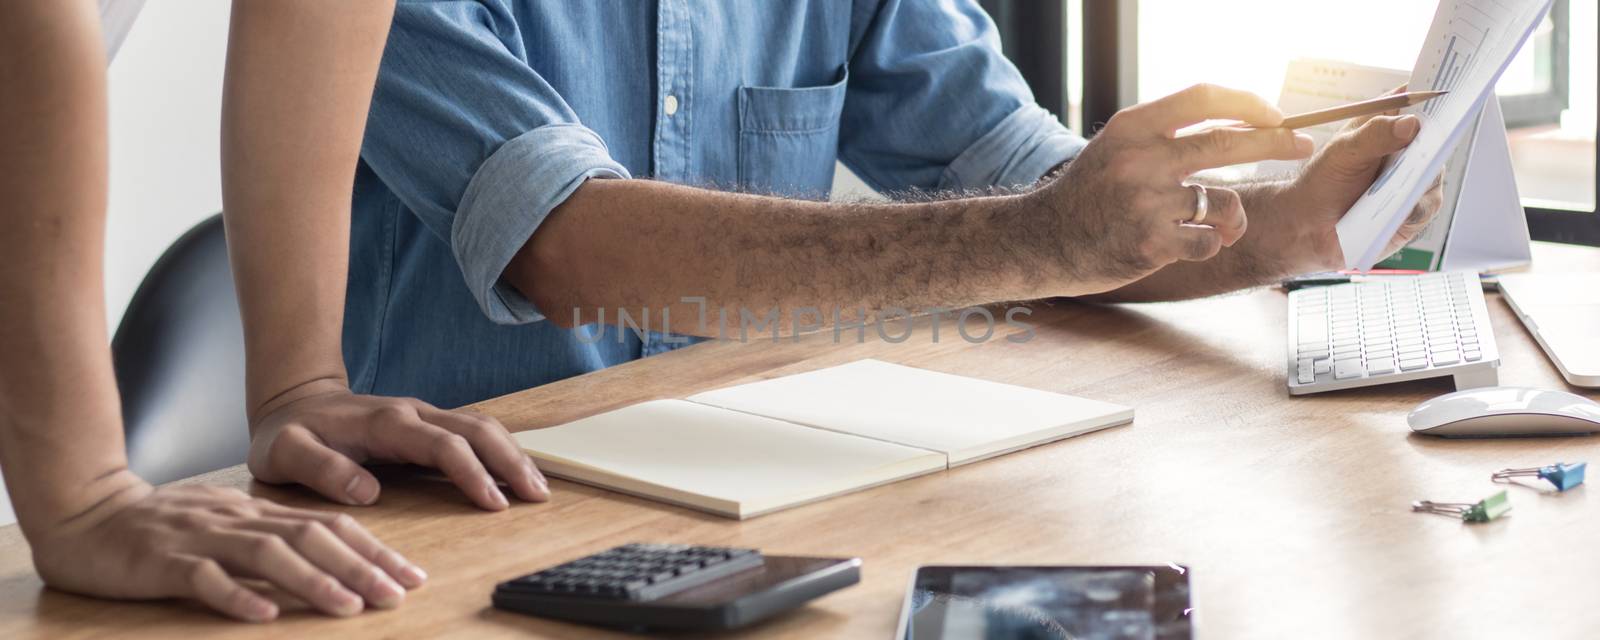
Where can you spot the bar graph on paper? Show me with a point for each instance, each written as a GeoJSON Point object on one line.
{"type": "Point", "coordinates": [1466, 27]}
{"type": "Point", "coordinates": [1470, 43]}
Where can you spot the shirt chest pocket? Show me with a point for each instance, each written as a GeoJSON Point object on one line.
{"type": "Point", "coordinates": [789, 138]}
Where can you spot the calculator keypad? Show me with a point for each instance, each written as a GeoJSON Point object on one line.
{"type": "Point", "coordinates": [639, 571]}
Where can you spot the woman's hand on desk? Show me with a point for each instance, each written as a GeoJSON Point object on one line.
{"type": "Point", "coordinates": [195, 541]}
{"type": "Point", "coordinates": [317, 435]}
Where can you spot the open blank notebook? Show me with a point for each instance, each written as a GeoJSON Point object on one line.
{"type": "Point", "coordinates": [754, 448]}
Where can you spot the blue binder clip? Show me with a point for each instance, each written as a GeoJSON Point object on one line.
{"type": "Point", "coordinates": [1563, 476]}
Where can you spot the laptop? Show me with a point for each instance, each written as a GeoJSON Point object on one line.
{"type": "Point", "coordinates": [1562, 311]}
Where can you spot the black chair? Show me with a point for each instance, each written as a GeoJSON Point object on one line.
{"type": "Point", "coordinates": [179, 360]}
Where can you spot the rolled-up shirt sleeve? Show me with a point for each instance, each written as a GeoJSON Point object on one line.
{"type": "Point", "coordinates": [1025, 146]}
{"type": "Point", "coordinates": [933, 104]}
{"type": "Point", "coordinates": [509, 197]}
{"type": "Point", "coordinates": [481, 174]}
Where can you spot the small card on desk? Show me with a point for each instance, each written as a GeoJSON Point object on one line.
{"type": "Point", "coordinates": [751, 449]}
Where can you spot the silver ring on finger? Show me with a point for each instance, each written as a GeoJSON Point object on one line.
{"type": "Point", "coordinates": [1202, 204]}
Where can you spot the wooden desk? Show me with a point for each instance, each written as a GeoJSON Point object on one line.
{"type": "Point", "coordinates": [1293, 513]}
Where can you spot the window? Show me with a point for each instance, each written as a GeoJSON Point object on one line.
{"type": "Point", "coordinates": [1118, 52]}
{"type": "Point", "coordinates": [1548, 94]}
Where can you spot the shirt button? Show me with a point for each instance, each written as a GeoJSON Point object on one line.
{"type": "Point", "coordinates": [670, 105]}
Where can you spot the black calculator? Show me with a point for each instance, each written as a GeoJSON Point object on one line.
{"type": "Point", "coordinates": [675, 587]}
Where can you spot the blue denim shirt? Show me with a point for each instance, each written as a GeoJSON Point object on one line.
{"type": "Point", "coordinates": [488, 114]}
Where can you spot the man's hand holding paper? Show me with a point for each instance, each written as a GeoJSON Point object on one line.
{"type": "Point", "coordinates": [1469, 45]}
{"type": "Point", "coordinates": [1337, 177]}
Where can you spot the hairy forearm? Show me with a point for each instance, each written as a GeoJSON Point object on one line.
{"type": "Point", "coordinates": [61, 442]}
{"type": "Point", "coordinates": [299, 79]}
{"type": "Point", "coordinates": [635, 244]}
{"type": "Point", "coordinates": [1246, 264]}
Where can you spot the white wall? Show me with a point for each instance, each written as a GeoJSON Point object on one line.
{"type": "Point", "coordinates": [166, 102]}
{"type": "Point", "coordinates": [166, 99]}
{"type": "Point", "coordinates": [849, 188]}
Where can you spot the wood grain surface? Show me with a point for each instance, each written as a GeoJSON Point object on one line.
{"type": "Point", "coordinates": [1293, 513]}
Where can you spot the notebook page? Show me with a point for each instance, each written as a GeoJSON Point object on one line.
{"type": "Point", "coordinates": [966, 418]}
{"type": "Point", "coordinates": [721, 461]}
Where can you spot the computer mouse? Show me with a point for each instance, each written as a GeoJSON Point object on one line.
{"type": "Point", "coordinates": [1506, 412]}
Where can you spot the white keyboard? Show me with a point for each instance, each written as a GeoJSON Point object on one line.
{"type": "Point", "coordinates": [1394, 329]}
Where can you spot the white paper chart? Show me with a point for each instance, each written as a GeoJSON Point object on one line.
{"type": "Point", "coordinates": [1311, 84]}
{"type": "Point", "coordinates": [1469, 45]}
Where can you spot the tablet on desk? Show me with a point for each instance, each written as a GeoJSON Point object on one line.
{"type": "Point", "coordinates": [1098, 603]}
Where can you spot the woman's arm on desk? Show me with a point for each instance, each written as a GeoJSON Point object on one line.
{"type": "Point", "coordinates": [94, 527]}
{"type": "Point", "coordinates": [299, 79]}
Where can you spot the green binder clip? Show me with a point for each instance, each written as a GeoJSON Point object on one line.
{"type": "Point", "coordinates": [1563, 476]}
{"type": "Point", "coordinates": [1484, 510]}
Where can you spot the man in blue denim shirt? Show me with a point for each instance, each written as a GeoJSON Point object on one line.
{"type": "Point", "coordinates": [531, 166]}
